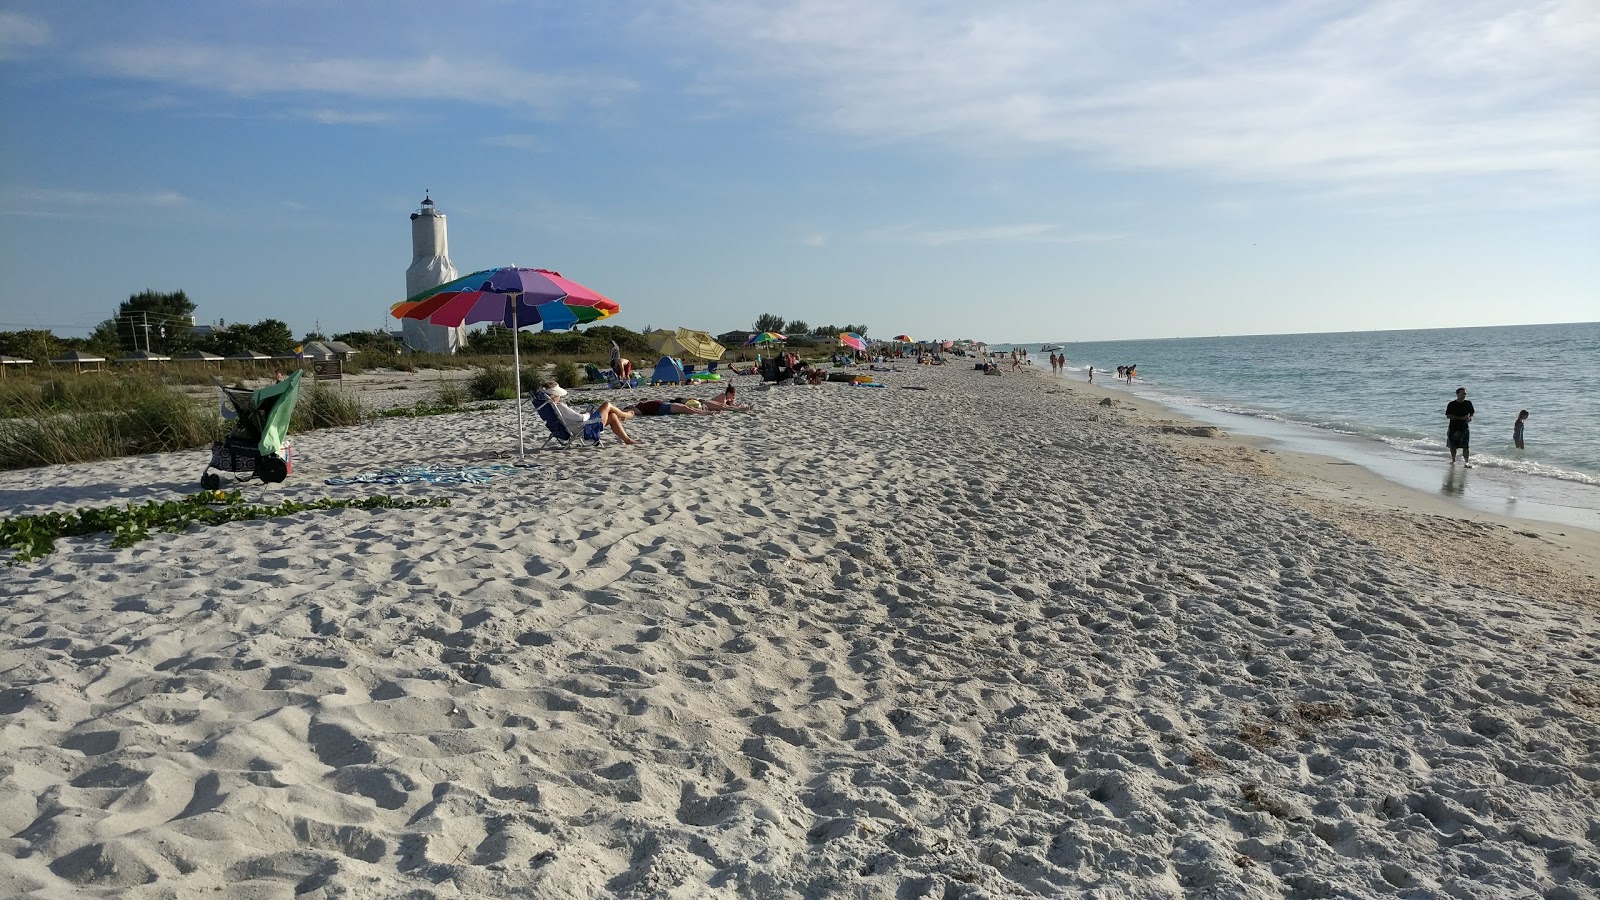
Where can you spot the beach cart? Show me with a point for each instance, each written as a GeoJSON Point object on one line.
{"type": "Point", "coordinates": [258, 445]}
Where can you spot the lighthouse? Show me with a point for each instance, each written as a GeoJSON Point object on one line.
{"type": "Point", "coordinates": [430, 267]}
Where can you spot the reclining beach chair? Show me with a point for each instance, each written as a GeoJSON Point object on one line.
{"type": "Point", "coordinates": [259, 442]}
{"type": "Point", "coordinates": [560, 435]}
{"type": "Point", "coordinates": [597, 375]}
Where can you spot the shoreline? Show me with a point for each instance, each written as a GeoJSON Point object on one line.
{"type": "Point", "coordinates": [980, 636]}
{"type": "Point", "coordinates": [1561, 548]}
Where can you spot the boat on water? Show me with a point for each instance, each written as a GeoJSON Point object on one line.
{"type": "Point", "coordinates": [1050, 349]}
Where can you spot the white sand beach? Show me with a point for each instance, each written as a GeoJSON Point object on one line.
{"type": "Point", "coordinates": [986, 639]}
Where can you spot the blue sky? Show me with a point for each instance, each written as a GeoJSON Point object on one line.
{"type": "Point", "coordinates": [1007, 171]}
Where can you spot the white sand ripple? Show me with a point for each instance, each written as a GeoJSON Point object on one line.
{"type": "Point", "coordinates": [987, 640]}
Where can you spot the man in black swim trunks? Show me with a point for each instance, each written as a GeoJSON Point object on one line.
{"type": "Point", "coordinates": [1460, 412]}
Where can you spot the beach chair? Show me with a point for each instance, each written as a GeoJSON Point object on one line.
{"type": "Point", "coordinates": [560, 435]}
{"type": "Point", "coordinates": [774, 369]}
{"type": "Point", "coordinates": [597, 375]}
{"type": "Point", "coordinates": [667, 371]}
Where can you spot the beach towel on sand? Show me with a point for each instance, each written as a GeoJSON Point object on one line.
{"type": "Point", "coordinates": [429, 474]}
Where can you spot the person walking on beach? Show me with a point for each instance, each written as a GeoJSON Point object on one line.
{"type": "Point", "coordinates": [1460, 412]}
{"type": "Point", "coordinates": [1516, 429]}
{"type": "Point", "coordinates": [1091, 374]}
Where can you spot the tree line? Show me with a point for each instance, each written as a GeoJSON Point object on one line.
{"type": "Point", "coordinates": [776, 323]}
{"type": "Point", "coordinates": [163, 323]}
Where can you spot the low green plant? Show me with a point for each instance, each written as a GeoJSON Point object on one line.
{"type": "Point", "coordinates": [567, 374]}
{"type": "Point", "coordinates": [491, 383]}
{"type": "Point", "coordinates": [532, 377]}
{"type": "Point", "coordinates": [147, 418]}
{"type": "Point", "coordinates": [33, 537]}
{"type": "Point", "coordinates": [321, 406]}
{"type": "Point", "coordinates": [424, 408]}
{"type": "Point", "coordinates": [449, 393]}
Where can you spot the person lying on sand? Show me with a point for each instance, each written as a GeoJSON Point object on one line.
{"type": "Point", "coordinates": [609, 415]}
{"type": "Point", "coordinates": [677, 406]}
{"type": "Point", "coordinates": [727, 401]}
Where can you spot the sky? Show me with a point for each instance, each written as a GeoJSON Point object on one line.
{"type": "Point", "coordinates": [1009, 171]}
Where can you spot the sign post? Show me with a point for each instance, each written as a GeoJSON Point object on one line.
{"type": "Point", "coordinates": [331, 369]}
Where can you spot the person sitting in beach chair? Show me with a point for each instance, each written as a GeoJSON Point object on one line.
{"type": "Point", "coordinates": [566, 423]}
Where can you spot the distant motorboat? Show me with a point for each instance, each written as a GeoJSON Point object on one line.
{"type": "Point", "coordinates": [1049, 349]}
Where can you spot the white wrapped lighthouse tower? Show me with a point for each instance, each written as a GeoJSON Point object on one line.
{"type": "Point", "coordinates": [430, 267]}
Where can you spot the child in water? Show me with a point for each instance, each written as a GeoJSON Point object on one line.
{"type": "Point", "coordinates": [1516, 429]}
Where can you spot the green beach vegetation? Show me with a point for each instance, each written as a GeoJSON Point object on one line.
{"type": "Point", "coordinates": [32, 537]}
{"type": "Point", "coordinates": [53, 414]}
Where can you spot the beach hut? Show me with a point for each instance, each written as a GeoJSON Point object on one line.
{"type": "Point", "coordinates": [7, 361]}
{"type": "Point", "coordinates": [142, 356]}
{"type": "Point", "coordinates": [328, 350]}
{"type": "Point", "coordinates": [77, 359]}
{"type": "Point", "coordinates": [248, 356]}
{"type": "Point", "coordinates": [197, 356]}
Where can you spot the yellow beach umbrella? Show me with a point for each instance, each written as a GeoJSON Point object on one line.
{"type": "Point", "coordinates": [686, 342]}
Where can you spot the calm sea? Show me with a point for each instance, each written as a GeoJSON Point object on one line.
{"type": "Point", "coordinates": [1380, 395]}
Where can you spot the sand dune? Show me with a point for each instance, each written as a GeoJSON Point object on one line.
{"type": "Point", "coordinates": [990, 639]}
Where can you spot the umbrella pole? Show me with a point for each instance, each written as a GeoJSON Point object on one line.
{"type": "Point", "coordinates": [516, 369]}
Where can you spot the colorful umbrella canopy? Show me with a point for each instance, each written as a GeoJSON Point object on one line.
{"type": "Point", "coordinates": [514, 297]}
{"type": "Point", "coordinates": [687, 342]}
{"type": "Point", "coordinates": [904, 338]}
{"type": "Point", "coordinates": [766, 337]}
{"type": "Point", "coordinates": [853, 341]}
{"type": "Point", "coordinates": [511, 296]}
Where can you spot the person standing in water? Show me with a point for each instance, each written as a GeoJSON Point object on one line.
{"type": "Point", "coordinates": [1460, 412]}
{"type": "Point", "coordinates": [1516, 429]}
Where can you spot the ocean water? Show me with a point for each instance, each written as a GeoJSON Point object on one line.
{"type": "Point", "coordinates": [1378, 398]}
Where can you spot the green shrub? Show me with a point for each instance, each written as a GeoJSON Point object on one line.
{"type": "Point", "coordinates": [157, 421]}
{"type": "Point", "coordinates": [567, 374]}
{"type": "Point", "coordinates": [532, 377]}
{"type": "Point", "coordinates": [321, 406]}
{"type": "Point", "coordinates": [149, 418]}
{"type": "Point", "coordinates": [449, 394]}
{"type": "Point", "coordinates": [491, 383]}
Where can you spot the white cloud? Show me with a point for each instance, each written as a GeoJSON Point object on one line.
{"type": "Point", "coordinates": [1313, 91]}
{"type": "Point", "coordinates": [1022, 233]}
{"type": "Point", "coordinates": [346, 117]}
{"type": "Point", "coordinates": [83, 199]}
{"type": "Point", "coordinates": [256, 71]}
{"type": "Point", "coordinates": [530, 143]}
{"type": "Point", "coordinates": [55, 203]}
{"type": "Point", "coordinates": [20, 33]}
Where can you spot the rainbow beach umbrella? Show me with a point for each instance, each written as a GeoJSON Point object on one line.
{"type": "Point", "coordinates": [514, 297]}
{"type": "Point", "coordinates": [904, 339]}
{"type": "Point", "coordinates": [853, 341]}
{"type": "Point", "coordinates": [766, 337]}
